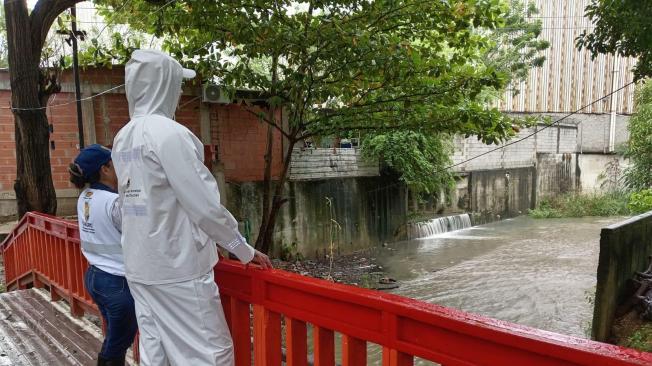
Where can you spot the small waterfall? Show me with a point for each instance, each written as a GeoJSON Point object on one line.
{"type": "Point", "coordinates": [438, 225]}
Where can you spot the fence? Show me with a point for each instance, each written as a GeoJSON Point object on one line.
{"type": "Point", "coordinates": [44, 250]}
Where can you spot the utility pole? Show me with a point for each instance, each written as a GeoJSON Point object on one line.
{"type": "Point", "coordinates": [75, 71]}
{"type": "Point", "coordinates": [73, 36]}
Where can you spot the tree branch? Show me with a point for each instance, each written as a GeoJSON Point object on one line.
{"type": "Point", "coordinates": [43, 16]}
{"type": "Point", "coordinates": [371, 128]}
{"type": "Point", "coordinates": [271, 123]}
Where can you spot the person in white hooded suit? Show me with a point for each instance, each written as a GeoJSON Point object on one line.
{"type": "Point", "coordinates": [172, 217]}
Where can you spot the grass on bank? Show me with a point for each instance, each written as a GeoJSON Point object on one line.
{"type": "Point", "coordinates": [641, 339]}
{"type": "Point", "coordinates": [580, 205]}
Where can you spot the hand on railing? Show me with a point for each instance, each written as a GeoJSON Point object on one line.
{"type": "Point", "coordinates": [262, 260]}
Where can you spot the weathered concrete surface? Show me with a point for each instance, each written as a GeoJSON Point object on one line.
{"type": "Point", "coordinates": [33, 331]}
{"type": "Point", "coordinates": [363, 212]}
{"type": "Point", "coordinates": [624, 249]}
{"type": "Point", "coordinates": [495, 194]}
{"type": "Point", "coordinates": [66, 202]}
{"type": "Point", "coordinates": [593, 168]}
{"type": "Point", "coordinates": [556, 139]}
{"type": "Point", "coordinates": [593, 132]}
{"type": "Point", "coordinates": [556, 174]}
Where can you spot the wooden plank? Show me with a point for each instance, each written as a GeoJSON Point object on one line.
{"type": "Point", "coordinates": [41, 340]}
{"type": "Point", "coordinates": [324, 346]}
{"type": "Point", "coordinates": [296, 341]}
{"type": "Point", "coordinates": [76, 334]}
{"type": "Point", "coordinates": [52, 326]}
{"type": "Point", "coordinates": [18, 344]}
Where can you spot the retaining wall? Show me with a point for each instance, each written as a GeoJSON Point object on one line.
{"type": "Point", "coordinates": [624, 249]}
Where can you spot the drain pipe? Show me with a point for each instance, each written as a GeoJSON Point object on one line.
{"type": "Point", "coordinates": [612, 120]}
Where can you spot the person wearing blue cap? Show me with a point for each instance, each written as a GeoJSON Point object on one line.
{"type": "Point", "coordinates": [99, 216]}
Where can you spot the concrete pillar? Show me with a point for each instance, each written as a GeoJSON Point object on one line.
{"type": "Point", "coordinates": [106, 122]}
{"type": "Point", "coordinates": [205, 123]}
{"type": "Point", "coordinates": [88, 114]}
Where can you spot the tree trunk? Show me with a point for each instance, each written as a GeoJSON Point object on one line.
{"type": "Point", "coordinates": [265, 236]}
{"type": "Point", "coordinates": [269, 159]}
{"type": "Point", "coordinates": [25, 39]}
{"type": "Point", "coordinates": [267, 187]}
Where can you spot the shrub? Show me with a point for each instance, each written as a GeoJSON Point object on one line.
{"type": "Point", "coordinates": [580, 205]}
{"type": "Point", "coordinates": [641, 201]}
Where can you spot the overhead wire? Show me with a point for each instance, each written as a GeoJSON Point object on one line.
{"type": "Point", "coordinates": [95, 95]}
{"type": "Point", "coordinates": [556, 122]}
{"type": "Point", "coordinates": [538, 130]}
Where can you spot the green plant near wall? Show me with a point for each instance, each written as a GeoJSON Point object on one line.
{"type": "Point", "coordinates": [639, 150]}
{"type": "Point", "coordinates": [290, 252]}
{"type": "Point", "coordinates": [641, 201]}
{"type": "Point", "coordinates": [641, 339]}
{"type": "Point", "coordinates": [334, 230]}
{"type": "Point", "coordinates": [581, 205]}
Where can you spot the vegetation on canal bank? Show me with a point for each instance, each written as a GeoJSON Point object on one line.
{"type": "Point", "coordinates": [627, 190]}
{"type": "Point", "coordinates": [595, 204]}
{"type": "Point", "coordinates": [641, 339]}
{"type": "Point", "coordinates": [580, 205]}
{"type": "Point", "coordinates": [633, 332]}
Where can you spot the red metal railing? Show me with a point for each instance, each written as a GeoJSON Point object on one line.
{"type": "Point", "coordinates": [44, 250]}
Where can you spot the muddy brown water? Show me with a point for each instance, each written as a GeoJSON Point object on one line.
{"type": "Point", "coordinates": [535, 272]}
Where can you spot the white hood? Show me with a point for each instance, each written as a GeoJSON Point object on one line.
{"type": "Point", "coordinates": [171, 208]}
{"type": "Point", "coordinates": [153, 83]}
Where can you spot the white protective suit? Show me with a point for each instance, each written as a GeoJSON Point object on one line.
{"type": "Point", "coordinates": [172, 217]}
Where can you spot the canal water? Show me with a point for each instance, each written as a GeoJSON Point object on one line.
{"type": "Point", "coordinates": [540, 273]}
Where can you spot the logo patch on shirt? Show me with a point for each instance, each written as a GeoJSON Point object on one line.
{"type": "Point", "coordinates": [88, 194]}
{"type": "Point", "coordinates": [87, 210]}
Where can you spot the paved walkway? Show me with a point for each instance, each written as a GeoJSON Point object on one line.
{"type": "Point", "coordinates": [37, 331]}
{"type": "Point", "coordinates": [6, 227]}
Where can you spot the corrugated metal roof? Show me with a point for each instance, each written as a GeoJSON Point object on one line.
{"type": "Point", "coordinates": [569, 79]}
{"type": "Point", "coordinates": [33, 331]}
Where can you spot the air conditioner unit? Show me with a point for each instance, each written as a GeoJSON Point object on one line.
{"type": "Point", "coordinates": [212, 93]}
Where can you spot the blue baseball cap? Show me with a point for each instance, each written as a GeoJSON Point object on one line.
{"type": "Point", "coordinates": [91, 159]}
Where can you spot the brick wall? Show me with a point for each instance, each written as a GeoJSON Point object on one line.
{"type": "Point", "coordinates": [241, 140]}
{"type": "Point", "coordinates": [238, 135]}
{"type": "Point", "coordinates": [110, 114]}
{"type": "Point", "coordinates": [7, 150]}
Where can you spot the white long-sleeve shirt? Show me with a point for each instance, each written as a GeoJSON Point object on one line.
{"type": "Point", "coordinates": [171, 204]}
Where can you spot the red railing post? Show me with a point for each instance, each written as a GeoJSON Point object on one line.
{"type": "Point", "coordinates": [324, 346]}
{"type": "Point", "coordinates": [296, 342]}
{"type": "Point", "coordinates": [392, 357]}
{"type": "Point", "coordinates": [240, 331]}
{"type": "Point", "coordinates": [267, 337]}
{"type": "Point", "coordinates": [354, 351]}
